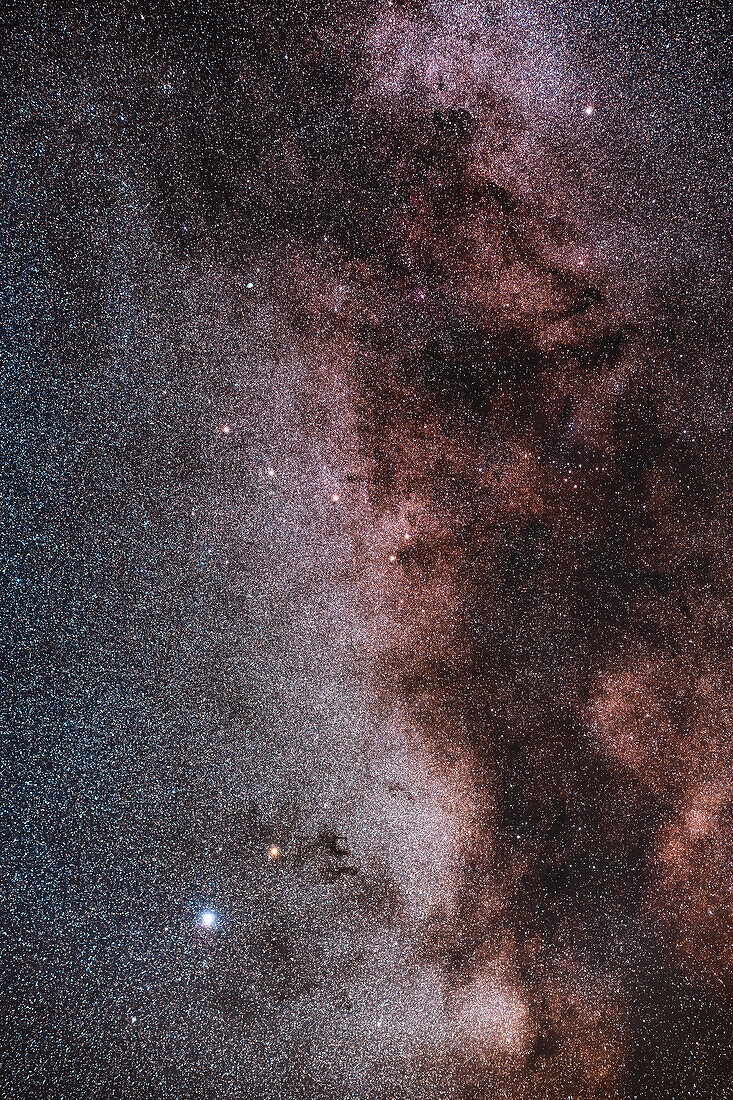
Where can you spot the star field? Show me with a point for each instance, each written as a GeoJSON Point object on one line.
{"type": "Point", "coordinates": [367, 698]}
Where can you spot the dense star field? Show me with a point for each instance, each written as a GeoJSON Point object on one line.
{"type": "Point", "coordinates": [367, 460]}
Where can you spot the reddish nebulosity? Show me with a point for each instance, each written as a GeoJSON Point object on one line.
{"type": "Point", "coordinates": [527, 552]}
{"type": "Point", "coordinates": [692, 890]}
{"type": "Point", "coordinates": [581, 1045]}
{"type": "Point", "coordinates": [666, 715]}
{"type": "Point", "coordinates": [440, 505]}
{"type": "Point", "coordinates": [643, 710]}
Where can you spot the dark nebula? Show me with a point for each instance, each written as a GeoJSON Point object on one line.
{"type": "Point", "coordinates": [368, 726]}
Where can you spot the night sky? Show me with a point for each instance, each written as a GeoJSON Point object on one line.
{"type": "Point", "coordinates": [368, 573]}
